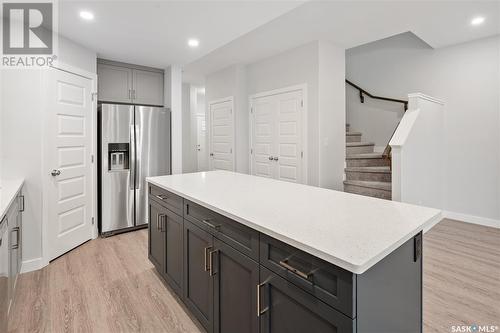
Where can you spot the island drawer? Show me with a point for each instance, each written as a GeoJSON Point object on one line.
{"type": "Point", "coordinates": [327, 282]}
{"type": "Point", "coordinates": [240, 237]}
{"type": "Point", "coordinates": [167, 199]}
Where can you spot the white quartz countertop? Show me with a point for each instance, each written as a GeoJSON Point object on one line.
{"type": "Point", "coordinates": [348, 230]}
{"type": "Point", "coordinates": [8, 192]}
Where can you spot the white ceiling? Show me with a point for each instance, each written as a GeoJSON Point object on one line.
{"type": "Point", "coordinates": [155, 33]}
{"type": "Point", "coordinates": [353, 23]}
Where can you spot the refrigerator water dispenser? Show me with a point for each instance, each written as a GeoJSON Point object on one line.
{"type": "Point", "coordinates": [118, 156]}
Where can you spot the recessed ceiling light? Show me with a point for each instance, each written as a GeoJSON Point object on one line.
{"type": "Point", "coordinates": [193, 42]}
{"type": "Point", "coordinates": [86, 15]}
{"type": "Point", "coordinates": [477, 20]}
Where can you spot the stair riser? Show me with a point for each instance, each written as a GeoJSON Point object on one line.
{"type": "Point", "coordinates": [368, 176]}
{"type": "Point", "coordinates": [370, 192]}
{"type": "Point", "coordinates": [353, 138]}
{"type": "Point", "coordinates": [359, 150]}
{"type": "Point", "coordinates": [367, 162]}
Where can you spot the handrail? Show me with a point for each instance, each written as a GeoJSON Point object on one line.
{"type": "Point", "coordinates": [363, 92]}
{"type": "Point", "coordinates": [387, 151]}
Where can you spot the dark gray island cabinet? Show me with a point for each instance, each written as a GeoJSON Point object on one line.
{"type": "Point", "coordinates": [235, 279]}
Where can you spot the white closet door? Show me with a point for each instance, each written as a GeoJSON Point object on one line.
{"type": "Point", "coordinates": [221, 136]}
{"type": "Point", "coordinates": [289, 136]}
{"type": "Point", "coordinates": [277, 136]}
{"type": "Point", "coordinates": [263, 131]}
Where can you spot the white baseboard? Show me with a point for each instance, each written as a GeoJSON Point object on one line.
{"type": "Point", "coordinates": [472, 219]}
{"type": "Point", "coordinates": [32, 265]}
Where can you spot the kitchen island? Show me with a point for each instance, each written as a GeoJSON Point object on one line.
{"type": "Point", "coordinates": [250, 254]}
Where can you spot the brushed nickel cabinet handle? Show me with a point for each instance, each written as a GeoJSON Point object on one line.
{"type": "Point", "coordinates": [211, 225]}
{"type": "Point", "coordinates": [259, 312]}
{"type": "Point", "coordinates": [286, 265]}
{"type": "Point", "coordinates": [161, 197]}
{"type": "Point", "coordinates": [163, 222]}
{"type": "Point", "coordinates": [205, 255]}
{"type": "Point", "coordinates": [211, 262]}
{"type": "Point", "coordinates": [16, 246]}
{"type": "Point", "coordinates": [21, 203]}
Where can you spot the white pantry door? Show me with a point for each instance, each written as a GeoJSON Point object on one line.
{"type": "Point", "coordinates": [68, 161]}
{"type": "Point", "coordinates": [221, 135]}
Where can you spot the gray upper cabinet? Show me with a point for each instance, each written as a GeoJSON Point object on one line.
{"type": "Point", "coordinates": [148, 87]}
{"type": "Point", "coordinates": [126, 83]}
{"type": "Point", "coordinates": [115, 83]}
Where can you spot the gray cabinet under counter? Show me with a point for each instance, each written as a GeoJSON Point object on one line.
{"type": "Point", "coordinates": [11, 212]}
{"type": "Point", "coordinates": [238, 279]}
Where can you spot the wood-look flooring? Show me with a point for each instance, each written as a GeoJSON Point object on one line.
{"type": "Point", "coordinates": [461, 276]}
{"type": "Point", "coordinates": [109, 285]}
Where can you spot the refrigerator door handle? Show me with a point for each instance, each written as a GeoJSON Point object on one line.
{"type": "Point", "coordinates": [132, 158]}
{"type": "Point", "coordinates": [137, 168]}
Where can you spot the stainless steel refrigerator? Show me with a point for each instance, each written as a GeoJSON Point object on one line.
{"type": "Point", "coordinates": [134, 144]}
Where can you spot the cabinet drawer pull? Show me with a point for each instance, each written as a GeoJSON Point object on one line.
{"type": "Point", "coordinates": [21, 203]}
{"type": "Point", "coordinates": [211, 225]}
{"type": "Point", "coordinates": [205, 255]}
{"type": "Point", "coordinates": [211, 262]}
{"type": "Point", "coordinates": [16, 246]}
{"type": "Point", "coordinates": [163, 222]}
{"type": "Point", "coordinates": [259, 312]}
{"type": "Point", "coordinates": [157, 221]}
{"type": "Point", "coordinates": [161, 196]}
{"type": "Point", "coordinates": [286, 265]}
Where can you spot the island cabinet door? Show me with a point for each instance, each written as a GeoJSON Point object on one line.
{"type": "Point", "coordinates": [198, 283]}
{"type": "Point", "coordinates": [285, 308]}
{"type": "Point", "coordinates": [156, 236]}
{"type": "Point", "coordinates": [172, 225]}
{"type": "Point", "coordinates": [236, 277]}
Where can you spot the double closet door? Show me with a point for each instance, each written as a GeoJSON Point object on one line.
{"type": "Point", "coordinates": [277, 138]}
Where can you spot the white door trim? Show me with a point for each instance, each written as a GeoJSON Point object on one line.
{"type": "Point", "coordinates": [209, 128]}
{"type": "Point", "coordinates": [45, 180]}
{"type": "Point", "coordinates": [304, 122]}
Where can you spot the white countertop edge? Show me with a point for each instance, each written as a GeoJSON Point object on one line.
{"type": "Point", "coordinates": [356, 269]}
{"type": "Point", "coordinates": [10, 191]}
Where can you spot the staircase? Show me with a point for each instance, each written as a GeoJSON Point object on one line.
{"type": "Point", "coordinates": [367, 173]}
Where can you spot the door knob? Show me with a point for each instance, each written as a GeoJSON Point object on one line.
{"type": "Point", "coordinates": [55, 172]}
{"type": "Point", "coordinates": [211, 154]}
{"type": "Point", "coordinates": [271, 158]}
{"type": "Point", "coordinates": [275, 158]}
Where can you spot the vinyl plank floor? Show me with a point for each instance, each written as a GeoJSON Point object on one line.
{"type": "Point", "coordinates": [105, 285]}
{"type": "Point", "coordinates": [109, 285]}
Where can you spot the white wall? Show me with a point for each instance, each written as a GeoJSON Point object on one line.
{"type": "Point", "coordinates": [21, 138]}
{"type": "Point", "coordinates": [312, 64]}
{"type": "Point", "coordinates": [417, 153]}
{"type": "Point", "coordinates": [173, 100]}
{"type": "Point", "coordinates": [331, 97]}
{"type": "Point", "coordinates": [467, 78]}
